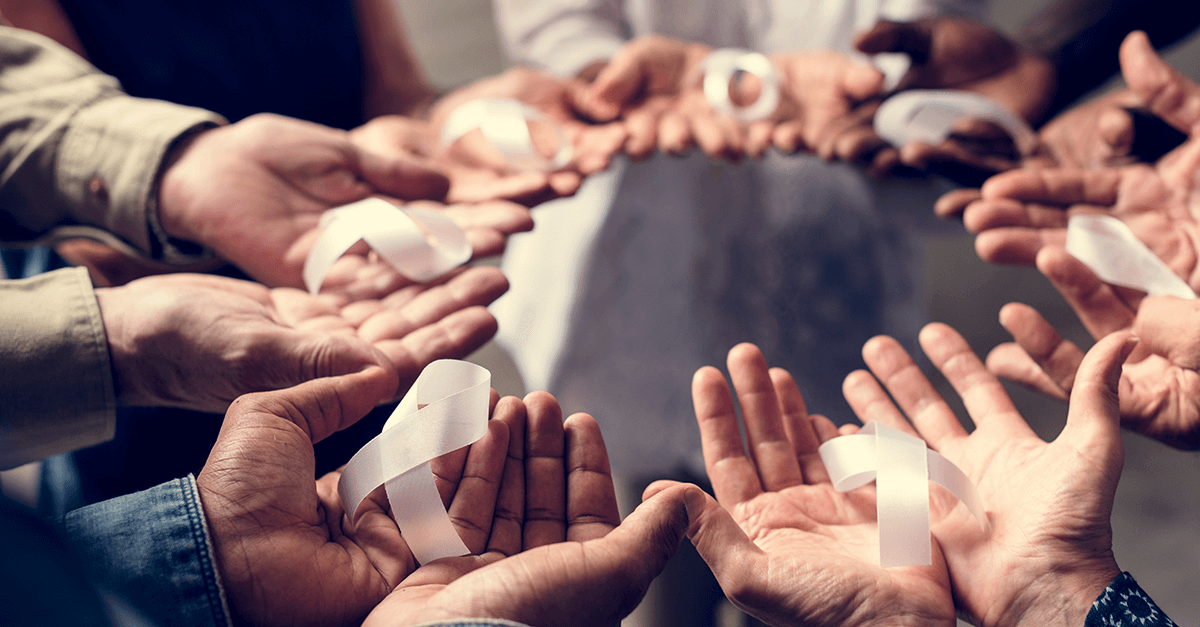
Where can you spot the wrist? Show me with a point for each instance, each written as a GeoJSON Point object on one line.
{"type": "Point", "coordinates": [171, 194]}
{"type": "Point", "coordinates": [121, 348]}
{"type": "Point", "coordinates": [1060, 597]}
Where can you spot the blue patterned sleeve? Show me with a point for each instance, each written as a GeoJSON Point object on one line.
{"type": "Point", "coordinates": [1124, 604]}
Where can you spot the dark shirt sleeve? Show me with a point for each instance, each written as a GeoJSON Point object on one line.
{"type": "Point", "coordinates": [1124, 604]}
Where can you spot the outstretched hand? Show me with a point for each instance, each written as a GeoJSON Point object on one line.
{"type": "Point", "coordinates": [200, 341]}
{"type": "Point", "coordinates": [1048, 552]}
{"type": "Point", "coordinates": [785, 546]}
{"type": "Point", "coordinates": [557, 552]}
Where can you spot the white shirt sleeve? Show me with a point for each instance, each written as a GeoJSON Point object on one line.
{"type": "Point", "coordinates": [561, 36]}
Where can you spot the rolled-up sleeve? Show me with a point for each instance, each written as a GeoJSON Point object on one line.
{"type": "Point", "coordinates": [75, 150]}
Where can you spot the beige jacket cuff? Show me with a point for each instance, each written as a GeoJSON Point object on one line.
{"type": "Point", "coordinates": [56, 380]}
{"type": "Point", "coordinates": [109, 166]}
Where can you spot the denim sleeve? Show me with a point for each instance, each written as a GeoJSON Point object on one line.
{"type": "Point", "coordinates": [1124, 604]}
{"type": "Point", "coordinates": [152, 548]}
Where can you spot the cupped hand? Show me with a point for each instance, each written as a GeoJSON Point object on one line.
{"type": "Point", "coordinates": [200, 341]}
{"type": "Point", "coordinates": [287, 552]}
{"type": "Point", "coordinates": [559, 554]}
{"type": "Point", "coordinates": [956, 53]}
{"type": "Point", "coordinates": [1047, 552]}
{"type": "Point", "coordinates": [254, 191]}
{"type": "Point", "coordinates": [785, 546]}
{"type": "Point", "coordinates": [1160, 383]}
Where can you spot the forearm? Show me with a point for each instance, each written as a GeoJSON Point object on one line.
{"type": "Point", "coordinates": [563, 36]}
{"type": "Point", "coordinates": [75, 150]}
{"type": "Point", "coordinates": [55, 375]}
{"type": "Point", "coordinates": [152, 548]}
{"type": "Point", "coordinates": [1082, 37]}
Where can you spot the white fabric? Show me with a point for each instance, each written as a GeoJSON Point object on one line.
{"type": "Point", "coordinates": [901, 467]}
{"type": "Point", "coordinates": [722, 65]}
{"type": "Point", "coordinates": [929, 115]}
{"type": "Point", "coordinates": [657, 268]}
{"type": "Point", "coordinates": [445, 410]}
{"type": "Point", "coordinates": [504, 123]}
{"type": "Point", "coordinates": [421, 244]}
{"type": "Point", "coordinates": [1107, 246]}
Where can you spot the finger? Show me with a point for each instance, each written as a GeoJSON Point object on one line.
{"type": "Point", "coordinates": [642, 125]}
{"type": "Point", "coordinates": [508, 521]}
{"type": "Point", "coordinates": [474, 504]}
{"type": "Point", "coordinates": [889, 36]}
{"type": "Point", "coordinates": [770, 448]}
{"type": "Point", "coordinates": [869, 402]}
{"type": "Point", "coordinates": [1017, 245]}
{"type": "Point", "coordinates": [1060, 186]}
{"type": "Point", "coordinates": [1168, 326]}
{"type": "Point", "coordinates": [915, 395]}
{"type": "Point", "coordinates": [1116, 130]}
{"type": "Point", "coordinates": [1010, 361]}
{"type": "Point", "coordinates": [591, 499]}
{"type": "Point", "coordinates": [1168, 94]}
{"type": "Point", "coordinates": [1057, 358]}
{"type": "Point", "coordinates": [545, 472]}
{"type": "Point", "coordinates": [453, 337]}
{"type": "Point", "coordinates": [995, 213]}
{"type": "Point", "coordinates": [825, 428]}
{"type": "Point", "coordinates": [1098, 306]}
{"type": "Point", "coordinates": [504, 217]}
{"type": "Point", "coordinates": [758, 138]}
{"type": "Point", "coordinates": [616, 85]}
{"type": "Point", "coordinates": [407, 312]}
{"type": "Point", "coordinates": [733, 475]}
{"type": "Point", "coordinates": [401, 177]}
{"type": "Point", "coordinates": [799, 427]}
{"type": "Point", "coordinates": [1094, 419]}
{"type": "Point", "coordinates": [953, 204]}
{"type": "Point", "coordinates": [733, 558]}
{"type": "Point", "coordinates": [982, 393]}
{"type": "Point", "coordinates": [597, 146]}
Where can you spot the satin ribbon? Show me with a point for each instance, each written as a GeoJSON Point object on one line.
{"type": "Point", "coordinates": [719, 69]}
{"type": "Point", "coordinates": [504, 123]}
{"type": "Point", "coordinates": [930, 114]}
{"type": "Point", "coordinates": [901, 467]}
{"type": "Point", "coordinates": [421, 244]}
{"type": "Point", "coordinates": [445, 410]}
{"type": "Point", "coordinates": [1107, 246]}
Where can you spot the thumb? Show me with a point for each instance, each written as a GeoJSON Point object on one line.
{"type": "Point", "coordinates": [615, 87]}
{"type": "Point", "coordinates": [887, 36]}
{"type": "Point", "coordinates": [733, 558]}
{"type": "Point", "coordinates": [321, 406]}
{"type": "Point", "coordinates": [1094, 416]}
{"type": "Point", "coordinates": [402, 176]}
{"type": "Point", "coordinates": [1168, 326]}
{"type": "Point", "coordinates": [1167, 93]}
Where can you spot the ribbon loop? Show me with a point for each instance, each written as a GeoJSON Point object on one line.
{"type": "Point", "coordinates": [1107, 246]}
{"type": "Point", "coordinates": [722, 65]}
{"type": "Point", "coordinates": [902, 467]}
{"type": "Point", "coordinates": [930, 114]}
{"type": "Point", "coordinates": [445, 410]}
{"type": "Point", "coordinates": [504, 123]}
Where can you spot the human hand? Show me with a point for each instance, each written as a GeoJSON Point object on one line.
{"type": "Point", "coordinates": [594, 145]}
{"type": "Point", "coordinates": [785, 546]}
{"type": "Point", "coordinates": [287, 552]}
{"type": "Point", "coordinates": [558, 553]}
{"type": "Point", "coordinates": [254, 191]}
{"type": "Point", "coordinates": [1160, 383]}
{"type": "Point", "coordinates": [955, 53]}
{"type": "Point", "coordinates": [200, 341]}
{"type": "Point", "coordinates": [1048, 552]}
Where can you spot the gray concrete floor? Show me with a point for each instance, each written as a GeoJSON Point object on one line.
{"type": "Point", "coordinates": [1156, 519]}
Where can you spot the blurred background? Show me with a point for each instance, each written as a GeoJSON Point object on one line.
{"type": "Point", "coordinates": [1156, 520]}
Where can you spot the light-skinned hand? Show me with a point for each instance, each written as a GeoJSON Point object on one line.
{"type": "Point", "coordinates": [1047, 552]}
{"type": "Point", "coordinates": [557, 552]}
{"type": "Point", "coordinates": [200, 341]}
{"type": "Point", "coordinates": [1160, 383]}
{"type": "Point", "coordinates": [784, 545]}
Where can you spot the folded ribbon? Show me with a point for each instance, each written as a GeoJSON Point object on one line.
{"type": "Point", "coordinates": [722, 65]}
{"type": "Point", "coordinates": [446, 409]}
{"type": "Point", "coordinates": [902, 467]}
{"type": "Point", "coordinates": [504, 123]}
{"type": "Point", "coordinates": [1107, 246]}
{"type": "Point", "coordinates": [421, 244]}
{"type": "Point", "coordinates": [930, 114]}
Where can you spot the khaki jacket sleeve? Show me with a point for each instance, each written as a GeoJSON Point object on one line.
{"type": "Point", "coordinates": [76, 151]}
{"type": "Point", "coordinates": [56, 382]}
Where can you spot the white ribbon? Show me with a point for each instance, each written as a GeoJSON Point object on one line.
{"type": "Point", "coordinates": [901, 467]}
{"type": "Point", "coordinates": [504, 123]}
{"type": "Point", "coordinates": [446, 409]}
{"type": "Point", "coordinates": [1107, 246]}
{"type": "Point", "coordinates": [421, 244]}
{"type": "Point", "coordinates": [720, 68]}
{"type": "Point", "coordinates": [930, 114]}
